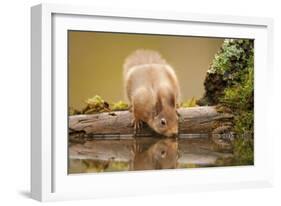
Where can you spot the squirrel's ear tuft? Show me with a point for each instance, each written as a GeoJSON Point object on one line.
{"type": "Point", "coordinates": [159, 105]}
{"type": "Point", "coordinates": [172, 100]}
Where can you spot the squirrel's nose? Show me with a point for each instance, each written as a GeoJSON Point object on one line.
{"type": "Point", "coordinates": [176, 131]}
{"type": "Point", "coordinates": [174, 134]}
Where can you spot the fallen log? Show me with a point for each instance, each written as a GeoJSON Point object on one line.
{"type": "Point", "coordinates": [194, 120]}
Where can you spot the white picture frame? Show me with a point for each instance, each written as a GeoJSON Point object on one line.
{"type": "Point", "coordinates": [49, 178]}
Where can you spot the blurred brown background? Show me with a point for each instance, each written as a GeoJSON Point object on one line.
{"type": "Point", "coordinates": [96, 59]}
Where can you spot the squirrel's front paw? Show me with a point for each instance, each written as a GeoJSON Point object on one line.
{"type": "Point", "coordinates": [137, 124]}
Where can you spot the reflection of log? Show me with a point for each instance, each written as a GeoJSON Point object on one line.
{"type": "Point", "coordinates": [197, 120]}
{"type": "Point", "coordinates": [114, 155]}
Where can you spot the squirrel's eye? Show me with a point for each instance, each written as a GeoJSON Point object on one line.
{"type": "Point", "coordinates": [163, 121]}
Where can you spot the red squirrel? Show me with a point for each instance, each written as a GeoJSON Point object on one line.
{"type": "Point", "coordinates": [153, 91]}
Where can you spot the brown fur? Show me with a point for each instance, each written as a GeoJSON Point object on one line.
{"type": "Point", "coordinates": [161, 155]}
{"type": "Point", "coordinates": [153, 90]}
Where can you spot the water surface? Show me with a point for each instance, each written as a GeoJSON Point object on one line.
{"type": "Point", "coordinates": [145, 153]}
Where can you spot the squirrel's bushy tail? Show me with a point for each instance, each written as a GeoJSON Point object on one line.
{"type": "Point", "coordinates": [142, 56]}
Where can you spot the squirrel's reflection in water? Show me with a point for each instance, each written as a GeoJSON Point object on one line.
{"type": "Point", "coordinates": [160, 155]}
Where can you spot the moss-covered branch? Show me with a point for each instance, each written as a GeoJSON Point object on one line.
{"type": "Point", "coordinates": [230, 82]}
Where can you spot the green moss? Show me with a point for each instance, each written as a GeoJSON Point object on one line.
{"type": "Point", "coordinates": [244, 122]}
{"type": "Point", "coordinates": [91, 165]}
{"type": "Point", "coordinates": [241, 94]}
{"type": "Point", "coordinates": [228, 69]}
{"type": "Point", "coordinates": [72, 111]}
{"type": "Point", "coordinates": [97, 104]}
{"type": "Point", "coordinates": [188, 165]}
{"type": "Point", "coordinates": [189, 103]}
{"type": "Point", "coordinates": [119, 106]}
{"type": "Point", "coordinates": [230, 82]}
{"type": "Point", "coordinates": [95, 101]}
{"type": "Point", "coordinates": [234, 55]}
{"type": "Point", "coordinates": [240, 97]}
{"type": "Point", "coordinates": [118, 166]}
{"type": "Point", "coordinates": [243, 151]}
{"type": "Point", "coordinates": [243, 146]}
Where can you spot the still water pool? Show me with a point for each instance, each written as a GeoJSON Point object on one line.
{"type": "Point", "coordinates": [145, 153]}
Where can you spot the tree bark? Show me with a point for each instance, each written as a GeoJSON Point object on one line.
{"type": "Point", "coordinates": [195, 120]}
